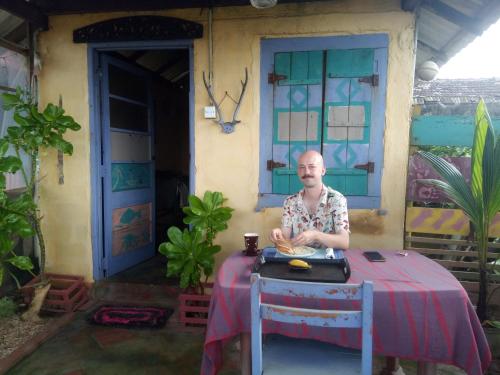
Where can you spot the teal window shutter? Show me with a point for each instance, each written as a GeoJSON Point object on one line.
{"type": "Point", "coordinates": [341, 133]}
{"type": "Point", "coordinates": [296, 114]}
{"type": "Point", "coordinates": [326, 94]}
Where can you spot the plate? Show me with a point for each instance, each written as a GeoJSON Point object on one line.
{"type": "Point", "coordinates": [300, 252]}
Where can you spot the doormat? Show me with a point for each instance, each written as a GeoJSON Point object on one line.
{"type": "Point", "coordinates": [130, 316]}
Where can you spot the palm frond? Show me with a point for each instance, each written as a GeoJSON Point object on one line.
{"type": "Point", "coordinates": [482, 124]}
{"type": "Point", "coordinates": [469, 207]}
{"type": "Point", "coordinates": [456, 187]}
{"type": "Point", "coordinates": [494, 197]}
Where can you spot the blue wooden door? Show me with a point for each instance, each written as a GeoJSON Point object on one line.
{"type": "Point", "coordinates": [322, 101]}
{"type": "Point", "coordinates": [128, 166]}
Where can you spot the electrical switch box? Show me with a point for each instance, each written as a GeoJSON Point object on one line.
{"type": "Point", "coordinates": [210, 112]}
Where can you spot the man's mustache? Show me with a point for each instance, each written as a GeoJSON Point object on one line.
{"type": "Point", "coordinates": [307, 176]}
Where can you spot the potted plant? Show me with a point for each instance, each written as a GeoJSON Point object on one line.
{"type": "Point", "coordinates": [35, 131]}
{"type": "Point", "coordinates": [481, 200]}
{"type": "Point", "coordinates": [190, 253]}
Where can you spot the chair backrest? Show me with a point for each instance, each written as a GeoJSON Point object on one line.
{"type": "Point", "coordinates": [362, 318]}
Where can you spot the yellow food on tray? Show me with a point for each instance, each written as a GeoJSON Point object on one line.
{"type": "Point", "coordinates": [297, 263]}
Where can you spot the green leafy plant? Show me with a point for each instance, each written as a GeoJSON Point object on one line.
{"type": "Point", "coordinates": [191, 252]}
{"type": "Point", "coordinates": [13, 219]}
{"type": "Point", "coordinates": [481, 200]}
{"type": "Point", "coordinates": [7, 308]}
{"type": "Point", "coordinates": [34, 131]}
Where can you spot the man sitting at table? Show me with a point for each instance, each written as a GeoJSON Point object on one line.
{"type": "Point", "coordinates": [317, 215]}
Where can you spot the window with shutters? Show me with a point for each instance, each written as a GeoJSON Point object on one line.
{"type": "Point", "coordinates": [325, 94]}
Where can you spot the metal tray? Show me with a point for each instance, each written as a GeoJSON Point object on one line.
{"type": "Point", "coordinates": [323, 270]}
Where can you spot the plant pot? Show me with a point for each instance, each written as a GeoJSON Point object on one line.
{"type": "Point", "coordinates": [193, 309]}
{"type": "Point", "coordinates": [66, 294]}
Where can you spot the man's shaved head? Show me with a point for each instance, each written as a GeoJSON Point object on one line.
{"type": "Point", "coordinates": [311, 156]}
{"type": "Point", "coordinates": [311, 168]}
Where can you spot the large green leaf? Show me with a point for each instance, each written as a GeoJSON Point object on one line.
{"type": "Point", "coordinates": [9, 101]}
{"type": "Point", "coordinates": [494, 205]}
{"type": "Point", "coordinates": [22, 262]}
{"type": "Point", "coordinates": [196, 205]}
{"type": "Point", "coordinates": [4, 146]}
{"type": "Point", "coordinates": [10, 164]}
{"type": "Point", "coordinates": [481, 130]}
{"type": "Point", "coordinates": [6, 243]}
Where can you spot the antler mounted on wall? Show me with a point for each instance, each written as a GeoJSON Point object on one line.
{"type": "Point", "coordinates": [227, 127]}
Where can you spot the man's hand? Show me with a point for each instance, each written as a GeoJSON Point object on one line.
{"type": "Point", "coordinates": [276, 235]}
{"type": "Point", "coordinates": [305, 238]}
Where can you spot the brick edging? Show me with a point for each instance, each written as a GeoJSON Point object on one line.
{"type": "Point", "coordinates": [32, 344]}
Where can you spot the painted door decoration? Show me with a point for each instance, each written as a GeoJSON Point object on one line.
{"type": "Point", "coordinates": [128, 166]}
{"type": "Point", "coordinates": [322, 101]}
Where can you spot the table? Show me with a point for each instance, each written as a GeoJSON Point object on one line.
{"type": "Point", "coordinates": [421, 312]}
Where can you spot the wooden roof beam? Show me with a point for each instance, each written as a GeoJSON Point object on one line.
{"type": "Point", "coordinates": [26, 11]}
{"type": "Point", "coordinates": [170, 64]}
{"type": "Point", "coordinates": [439, 57]}
{"type": "Point", "coordinates": [13, 47]}
{"type": "Point", "coordinates": [454, 16]}
{"type": "Point", "coordinates": [90, 6]}
{"type": "Point", "coordinates": [410, 5]}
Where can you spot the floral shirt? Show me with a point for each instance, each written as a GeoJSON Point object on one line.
{"type": "Point", "coordinates": [331, 214]}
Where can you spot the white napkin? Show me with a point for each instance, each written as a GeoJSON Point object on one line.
{"type": "Point", "coordinates": [329, 253]}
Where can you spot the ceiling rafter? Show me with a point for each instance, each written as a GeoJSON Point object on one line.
{"type": "Point", "coordinates": [454, 16]}
{"type": "Point", "coordinates": [410, 5]}
{"type": "Point", "coordinates": [170, 64]}
{"type": "Point", "coordinates": [26, 11]}
{"type": "Point", "coordinates": [438, 56]}
{"type": "Point", "coordinates": [14, 47]}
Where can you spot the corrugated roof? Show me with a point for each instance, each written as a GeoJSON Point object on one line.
{"type": "Point", "coordinates": [457, 91]}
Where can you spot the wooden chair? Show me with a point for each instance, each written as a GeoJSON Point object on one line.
{"type": "Point", "coordinates": [288, 356]}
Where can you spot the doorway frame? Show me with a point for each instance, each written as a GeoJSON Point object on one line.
{"type": "Point", "coordinates": [96, 170]}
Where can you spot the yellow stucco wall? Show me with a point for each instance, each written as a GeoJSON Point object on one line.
{"type": "Point", "coordinates": [227, 163]}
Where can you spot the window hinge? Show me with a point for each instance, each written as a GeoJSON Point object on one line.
{"type": "Point", "coordinates": [272, 78]}
{"type": "Point", "coordinates": [271, 164]}
{"type": "Point", "coordinates": [369, 167]}
{"type": "Point", "coordinates": [372, 80]}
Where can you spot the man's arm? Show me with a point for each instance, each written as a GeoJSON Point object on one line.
{"type": "Point", "coordinates": [338, 240]}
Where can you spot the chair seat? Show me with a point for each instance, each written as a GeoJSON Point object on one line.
{"type": "Point", "coordinates": [288, 356]}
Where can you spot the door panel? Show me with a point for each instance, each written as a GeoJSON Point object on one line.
{"type": "Point", "coordinates": [128, 166]}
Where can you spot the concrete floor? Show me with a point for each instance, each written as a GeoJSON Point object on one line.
{"type": "Point", "coordinates": [84, 348]}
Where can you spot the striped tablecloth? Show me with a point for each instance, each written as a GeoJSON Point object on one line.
{"type": "Point", "coordinates": [421, 312]}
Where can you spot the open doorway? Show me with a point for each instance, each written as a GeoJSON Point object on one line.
{"type": "Point", "coordinates": [144, 123]}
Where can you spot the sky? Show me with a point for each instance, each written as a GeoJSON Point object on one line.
{"type": "Point", "coordinates": [480, 59]}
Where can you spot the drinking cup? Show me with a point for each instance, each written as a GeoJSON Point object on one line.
{"type": "Point", "coordinates": [251, 243]}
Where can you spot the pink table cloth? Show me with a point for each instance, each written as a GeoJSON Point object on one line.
{"type": "Point", "coordinates": [421, 312]}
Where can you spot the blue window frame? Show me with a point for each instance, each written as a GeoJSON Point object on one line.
{"type": "Point", "coordinates": [321, 82]}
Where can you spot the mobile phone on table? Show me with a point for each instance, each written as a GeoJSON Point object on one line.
{"type": "Point", "coordinates": [374, 256]}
